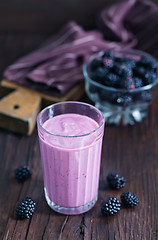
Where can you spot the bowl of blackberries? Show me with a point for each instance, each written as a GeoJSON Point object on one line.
{"type": "Point", "coordinates": [122, 84]}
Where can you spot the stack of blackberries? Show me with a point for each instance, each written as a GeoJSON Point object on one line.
{"type": "Point", "coordinates": [124, 73]}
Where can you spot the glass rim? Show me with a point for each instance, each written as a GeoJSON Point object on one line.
{"type": "Point", "coordinates": [70, 102]}
{"type": "Point", "coordinates": [137, 52]}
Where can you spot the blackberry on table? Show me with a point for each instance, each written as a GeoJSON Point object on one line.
{"type": "Point", "coordinates": [25, 208]}
{"type": "Point", "coordinates": [111, 207]}
{"type": "Point", "coordinates": [116, 181]}
{"type": "Point", "coordinates": [22, 173]}
{"type": "Point", "coordinates": [129, 199]}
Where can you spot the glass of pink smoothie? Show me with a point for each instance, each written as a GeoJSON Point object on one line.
{"type": "Point", "coordinates": [70, 137]}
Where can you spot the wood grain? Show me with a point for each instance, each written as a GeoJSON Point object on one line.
{"type": "Point", "coordinates": [130, 151]}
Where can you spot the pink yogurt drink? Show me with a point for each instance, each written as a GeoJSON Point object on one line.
{"type": "Point", "coordinates": [70, 136]}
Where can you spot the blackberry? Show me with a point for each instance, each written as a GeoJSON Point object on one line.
{"type": "Point", "coordinates": [99, 74]}
{"type": "Point", "coordinates": [127, 72]}
{"type": "Point", "coordinates": [154, 67]}
{"type": "Point", "coordinates": [131, 63]}
{"type": "Point", "coordinates": [125, 100]}
{"type": "Point", "coordinates": [108, 62]}
{"type": "Point", "coordinates": [118, 69]}
{"type": "Point", "coordinates": [146, 62]}
{"type": "Point", "coordinates": [111, 207]}
{"type": "Point", "coordinates": [139, 71]}
{"type": "Point", "coordinates": [126, 61]}
{"type": "Point", "coordinates": [25, 208]}
{"type": "Point", "coordinates": [127, 83]}
{"type": "Point", "coordinates": [22, 173]}
{"type": "Point", "coordinates": [96, 63]}
{"type": "Point", "coordinates": [111, 80]}
{"type": "Point", "coordinates": [149, 78]}
{"type": "Point", "coordinates": [108, 54]}
{"type": "Point", "coordinates": [138, 82]}
{"type": "Point", "coordinates": [116, 181]}
{"type": "Point", "coordinates": [123, 70]}
{"type": "Point", "coordinates": [129, 199]}
{"type": "Point", "coordinates": [143, 61]}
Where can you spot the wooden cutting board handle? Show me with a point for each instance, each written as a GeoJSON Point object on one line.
{"type": "Point", "coordinates": [19, 109]}
{"type": "Point", "coordinates": [19, 106]}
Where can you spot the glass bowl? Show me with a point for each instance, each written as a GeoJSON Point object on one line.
{"type": "Point", "coordinates": [110, 100]}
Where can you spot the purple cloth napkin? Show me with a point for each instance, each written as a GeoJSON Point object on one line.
{"type": "Point", "coordinates": [57, 65]}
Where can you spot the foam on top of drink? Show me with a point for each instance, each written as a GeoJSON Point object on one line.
{"type": "Point", "coordinates": [65, 127]}
{"type": "Point", "coordinates": [70, 125]}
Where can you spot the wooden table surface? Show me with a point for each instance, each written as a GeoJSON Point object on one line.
{"type": "Point", "coordinates": [130, 151]}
